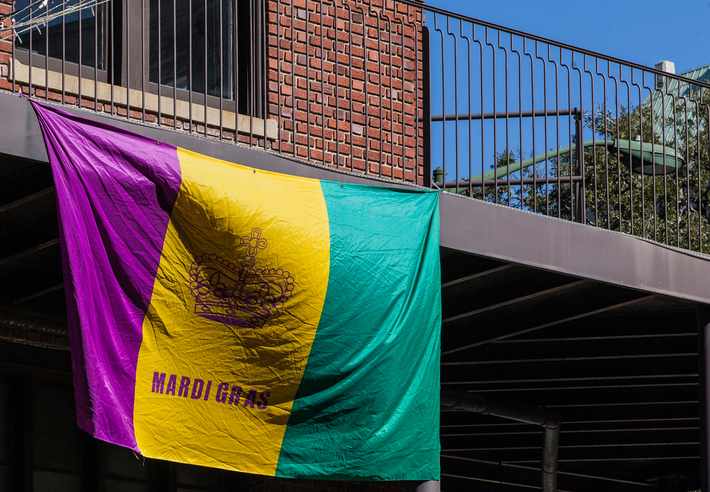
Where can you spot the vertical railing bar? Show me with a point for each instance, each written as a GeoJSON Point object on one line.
{"type": "Point", "coordinates": [443, 100]}
{"type": "Point", "coordinates": [206, 65]}
{"type": "Point", "coordinates": [470, 120]}
{"type": "Point", "coordinates": [324, 125]}
{"type": "Point", "coordinates": [700, 196]}
{"type": "Point", "coordinates": [308, 85]}
{"type": "Point", "coordinates": [221, 76]}
{"type": "Point", "coordinates": [367, 111]}
{"type": "Point", "coordinates": [532, 98]}
{"type": "Point", "coordinates": [79, 79]}
{"type": "Point", "coordinates": [96, 54]}
{"type": "Point", "coordinates": [678, 185]}
{"type": "Point", "coordinates": [252, 96]}
{"type": "Point", "coordinates": [29, 88]}
{"type": "Point", "coordinates": [665, 171]}
{"type": "Point", "coordinates": [390, 23]}
{"type": "Point", "coordinates": [594, 148]}
{"type": "Point", "coordinates": [654, 183]}
{"type": "Point", "coordinates": [557, 132]}
{"type": "Point", "coordinates": [582, 153]}
{"type": "Point", "coordinates": [128, 63]}
{"type": "Point", "coordinates": [236, 71]}
{"type": "Point", "coordinates": [160, 64]}
{"type": "Point", "coordinates": [569, 134]}
{"type": "Point", "coordinates": [13, 38]}
{"type": "Point", "coordinates": [558, 176]}
{"type": "Point", "coordinates": [456, 98]}
{"type": "Point", "coordinates": [379, 83]}
{"type": "Point", "coordinates": [46, 58]}
{"type": "Point", "coordinates": [630, 137]}
{"type": "Point", "coordinates": [544, 103]}
{"type": "Point", "coordinates": [573, 156]}
{"type": "Point", "coordinates": [278, 77]}
{"type": "Point", "coordinates": [653, 169]}
{"type": "Point", "coordinates": [677, 177]}
{"type": "Point", "coordinates": [606, 152]}
{"type": "Point", "coordinates": [415, 178]}
{"type": "Point", "coordinates": [112, 57]}
{"type": "Point", "coordinates": [483, 132]}
{"type": "Point", "coordinates": [618, 152]}
{"type": "Point", "coordinates": [579, 204]}
{"type": "Point", "coordinates": [190, 83]}
{"type": "Point", "coordinates": [143, 67]}
{"type": "Point", "coordinates": [687, 168]}
{"type": "Point", "coordinates": [507, 119]}
{"type": "Point", "coordinates": [427, 171]}
{"type": "Point", "coordinates": [696, 116]}
{"type": "Point", "coordinates": [495, 112]}
{"type": "Point", "coordinates": [416, 92]}
{"type": "Point", "coordinates": [336, 70]}
{"type": "Point", "coordinates": [350, 77]}
{"type": "Point", "coordinates": [64, 52]}
{"type": "Point", "coordinates": [699, 164]}
{"type": "Point", "coordinates": [520, 95]}
{"type": "Point", "coordinates": [175, 66]}
{"type": "Point", "coordinates": [264, 68]}
{"type": "Point", "coordinates": [643, 184]}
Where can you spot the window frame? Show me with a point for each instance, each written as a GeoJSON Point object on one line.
{"type": "Point", "coordinates": [141, 69]}
{"type": "Point", "coordinates": [60, 65]}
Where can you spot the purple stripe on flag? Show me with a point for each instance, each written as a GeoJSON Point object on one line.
{"type": "Point", "coordinates": [115, 193]}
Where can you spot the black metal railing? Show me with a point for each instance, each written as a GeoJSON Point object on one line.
{"type": "Point", "coordinates": [545, 127]}
{"type": "Point", "coordinates": [333, 82]}
{"type": "Point", "coordinates": [397, 90]}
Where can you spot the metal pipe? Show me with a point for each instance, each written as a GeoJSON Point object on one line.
{"type": "Point", "coordinates": [520, 412]}
{"type": "Point", "coordinates": [488, 116]}
{"type": "Point", "coordinates": [550, 448]}
{"type": "Point", "coordinates": [476, 182]}
{"type": "Point", "coordinates": [23, 320]}
{"type": "Point", "coordinates": [426, 486]}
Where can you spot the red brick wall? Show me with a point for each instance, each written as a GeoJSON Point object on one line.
{"type": "Point", "coordinates": [345, 80]}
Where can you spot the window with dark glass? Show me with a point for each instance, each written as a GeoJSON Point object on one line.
{"type": "Point", "coordinates": [212, 47]}
{"type": "Point", "coordinates": [62, 30]}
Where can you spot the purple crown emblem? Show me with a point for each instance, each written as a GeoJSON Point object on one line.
{"type": "Point", "coordinates": [239, 294]}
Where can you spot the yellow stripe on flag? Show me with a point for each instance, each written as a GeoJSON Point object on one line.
{"type": "Point", "coordinates": [233, 232]}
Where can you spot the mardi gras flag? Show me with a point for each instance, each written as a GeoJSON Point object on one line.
{"type": "Point", "coordinates": [230, 317]}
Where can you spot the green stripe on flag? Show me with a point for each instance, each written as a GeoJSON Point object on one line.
{"type": "Point", "coordinates": [369, 398]}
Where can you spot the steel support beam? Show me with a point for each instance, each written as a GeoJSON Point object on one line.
{"type": "Point", "coordinates": [704, 390]}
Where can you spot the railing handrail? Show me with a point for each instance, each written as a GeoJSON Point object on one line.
{"type": "Point", "coordinates": [517, 32]}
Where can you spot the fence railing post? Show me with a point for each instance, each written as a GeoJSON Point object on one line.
{"type": "Point", "coordinates": [580, 206]}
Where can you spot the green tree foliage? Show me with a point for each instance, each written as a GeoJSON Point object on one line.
{"type": "Point", "coordinates": [671, 207]}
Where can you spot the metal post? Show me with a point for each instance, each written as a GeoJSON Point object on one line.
{"type": "Point", "coordinates": [549, 420]}
{"type": "Point", "coordinates": [579, 203]}
{"type": "Point", "coordinates": [550, 450]}
{"type": "Point", "coordinates": [704, 390]}
{"type": "Point", "coordinates": [427, 110]}
{"type": "Point", "coordinates": [427, 486]}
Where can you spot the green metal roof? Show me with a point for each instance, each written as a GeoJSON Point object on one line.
{"type": "Point", "coordinates": [663, 106]}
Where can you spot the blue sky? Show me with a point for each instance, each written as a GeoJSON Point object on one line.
{"type": "Point", "coordinates": [643, 32]}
